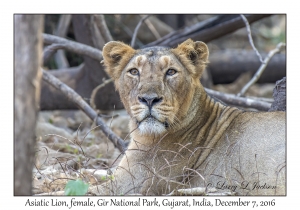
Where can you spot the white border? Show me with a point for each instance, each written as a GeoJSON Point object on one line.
{"type": "Point", "coordinates": [154, 6]}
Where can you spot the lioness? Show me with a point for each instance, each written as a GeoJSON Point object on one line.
{"type": "Point", "coordinates": [181, 137]}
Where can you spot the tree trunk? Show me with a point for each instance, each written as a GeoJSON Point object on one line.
{"type": "Point", "coordinates": [27, 77]}
{"type": "Point", "coordinates": [279, 95]}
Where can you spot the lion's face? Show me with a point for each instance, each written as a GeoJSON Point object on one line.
{"type": "Point", "coordinates": [156, 84]}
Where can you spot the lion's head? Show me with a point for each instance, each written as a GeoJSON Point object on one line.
{"type": "Point", "coordinates": [156, 84]}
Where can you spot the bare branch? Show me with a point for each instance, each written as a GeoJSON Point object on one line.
{"type": "Point", "coordinates": [76, 77]}
{"type": "Point", "coordinates": [63, 24]}
{"type": "Point", "coordinates": [76, 47]}
{"type": "Point", "coordinates": [73, 96]}
{"type": "Point", "coordinates": [100, 22]}
{"type": "Point", "coordinates": [207, 30]}
{"type": "Point", "coordinates": [261, 69]}
{"type": "Point", "coordinates": [136, 30]}
{"type": "Point", "coordinates": [152, 29]}
{"type": "Point", "coordinates": [50, 50]}
{"type": "Point", "coordinates": [94, 33]}
{"type": "Point", "coordinates": [239, 101]}
{"type": "Point", "coordinates": [61, 30]}
{"type": "Point", "coordinates": [250, 38]}
{"type": "Point", "coordinates": [128, 31]}
{"type": "Point", "coordinates": [197, 191]}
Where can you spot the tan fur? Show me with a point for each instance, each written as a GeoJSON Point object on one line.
{"type": "Point", "coordinates": [187, 139]}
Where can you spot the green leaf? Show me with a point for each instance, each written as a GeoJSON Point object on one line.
{"type": "Point", "coordinates": [50, 121]}
{"type": "Point", "coordinates": [77, 187]}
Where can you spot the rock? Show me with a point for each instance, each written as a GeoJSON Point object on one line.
{"type": "Point", "coordinates": [60, 122]}
{"type": "Point", "coordinates": [81, 118]}
{"type": "Point", "coordinates": [45, 116]}
{"type": "Point", "coordinates": [43, 130]}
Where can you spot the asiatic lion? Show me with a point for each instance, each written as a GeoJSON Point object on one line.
{"type": "Point", "coordinates": [183, 138]}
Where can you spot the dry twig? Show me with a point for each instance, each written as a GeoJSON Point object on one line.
{"type": "Point", "coordinates": [250, 38]}
{"type": "Point", "coordinates": [76, 47]}
{"type": "Point", "coordinates": [261, 69]}
{"type": "Point", "coordinates": [100, 22]}
{"type": "Point", "coordinates": [197, 191]}
{"type": "Point", "coordinates": [50, 50]}
{"type": "Point", "coordinates": [152, 29]}
{"type": "Point", "coordinates": [136, 30]}
{"type": "Point", "coordinates": [61, 31]}
{"type": "Point", "coordinates": [264, 62]}
{"type": "Point", "coordinates": [73, 96]}
{"type": "Point", "coordinates": [128, 31]}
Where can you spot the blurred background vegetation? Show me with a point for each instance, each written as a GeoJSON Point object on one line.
{"type": "Point", "coordinates": [232, 59]}
{"type": "Point", "coordinates": [266, 33]}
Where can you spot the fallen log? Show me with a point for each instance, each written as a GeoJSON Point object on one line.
{"type": "Point", "coordinates": [207, 30]}
{"type": "Point", "coordinates": [226, 66]}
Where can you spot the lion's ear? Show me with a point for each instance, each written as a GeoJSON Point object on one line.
{"type": "Point", "coordinates": [115, 56]}
{"type": "Point", "coordinates": [194, 55]}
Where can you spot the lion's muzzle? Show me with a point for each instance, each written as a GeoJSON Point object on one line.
{"type": "Point", "coordinates": [148, 115]}
{"type": "Point", "coordinates": [150, 100]}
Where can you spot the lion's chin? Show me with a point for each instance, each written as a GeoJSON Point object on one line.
{"type": "Point", "coordinates": [151, 126]}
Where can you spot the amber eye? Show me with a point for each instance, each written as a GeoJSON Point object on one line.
{"type": "Point", "coordinates": [134, 71]}
{"type": "Point", "coordinates": [171, 72]}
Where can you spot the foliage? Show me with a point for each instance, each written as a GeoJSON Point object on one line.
{"type": "Point", "coordinates": [77, 187]}
{"type": "Point", "coordinates": [105, 178]}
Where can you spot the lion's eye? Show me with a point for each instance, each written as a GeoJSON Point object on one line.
{"type": "Point", "coordinates": [171, 72]}
{"type": "Point", "coordinates": [134, 71]}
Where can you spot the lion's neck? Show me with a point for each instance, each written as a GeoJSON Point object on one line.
{"type": "Point", "coordinates": [205, 121]}
{"type": "Point", "coordinates": [211, 120]}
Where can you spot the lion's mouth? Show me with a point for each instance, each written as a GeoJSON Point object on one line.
{"type": "Point", "coordinates": [151, 120]}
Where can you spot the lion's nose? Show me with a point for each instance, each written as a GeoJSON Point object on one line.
{"type": "Point", "coordinates": [150, 101]}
